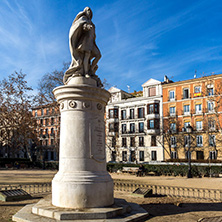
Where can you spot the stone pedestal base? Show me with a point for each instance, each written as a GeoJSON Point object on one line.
{"type": "Point", "coordinates": [44, 211]}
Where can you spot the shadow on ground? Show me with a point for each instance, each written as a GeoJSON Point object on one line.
{"type": "Point", "coordinates": [166, 209]}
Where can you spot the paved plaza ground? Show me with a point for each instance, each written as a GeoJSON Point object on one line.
{"type": "Point", "coordinates": [161, 209]}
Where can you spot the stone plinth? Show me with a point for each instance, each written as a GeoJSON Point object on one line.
{"type": "Point", "coordinates": [82, 180]}
{"type": "Point", "coordinates": [44, 211]}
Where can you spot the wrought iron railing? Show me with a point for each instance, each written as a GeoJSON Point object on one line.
{"type": "Point", "coordinates": [174, 191]}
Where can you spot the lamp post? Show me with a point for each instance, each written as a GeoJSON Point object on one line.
{"type": "Point", "coordinates": [189, 130]}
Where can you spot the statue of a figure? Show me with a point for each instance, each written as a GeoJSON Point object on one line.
{"type": "Point", "coordinates": [84, 51]}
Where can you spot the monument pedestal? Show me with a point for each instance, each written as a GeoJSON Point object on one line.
{"type": "Point", "coordinates": [44, 211]}
{"type": "Point", "coordinates": [82, 180]}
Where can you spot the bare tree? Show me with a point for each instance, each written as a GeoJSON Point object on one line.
{"type": "Point", "coordinates": [47, 83]}
{"type": "Point", "coordinates": [16, 122]}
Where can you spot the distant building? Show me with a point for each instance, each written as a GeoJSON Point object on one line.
{"type": "Point", "coordinates": [195, 102]}
{"type": "Point", "coordinates": [133, 124]}
{"type": "Point", "coordinates": [48, 130]}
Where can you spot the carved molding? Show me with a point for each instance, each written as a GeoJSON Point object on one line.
{"type": "Point", "coordinates": [72, 104]}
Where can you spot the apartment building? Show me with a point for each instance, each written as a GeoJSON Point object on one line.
{"type": "Point", "coordinates": [196, 103]}
{"type": "Point", "coordinates": [48, 130]}
{"type": "Point", "coordinates": [133, 124]}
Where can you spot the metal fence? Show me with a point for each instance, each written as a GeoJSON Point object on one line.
{"type": "Point", "coordinates": [186, 192]}
{"type": "Point", "coordinates": [173, 191]}
{"type": "Point", "coordinates": [34, 188]}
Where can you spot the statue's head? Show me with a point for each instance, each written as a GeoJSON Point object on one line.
{"type": "Point", "coordinates": [88, 12]}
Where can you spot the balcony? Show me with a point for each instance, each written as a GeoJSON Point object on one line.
{"type": "Point", "coordinates": [187, 96]}
{"type": "Point", "coordinates": [172, 99]}
{"type": "Point", "coordinates": [127, 133]}
{"type": "Point", "coordinates": [186, 113]}
{"type": "Point", "coordinates": [153, 131]}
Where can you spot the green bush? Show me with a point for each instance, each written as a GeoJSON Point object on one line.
{"type": "Point", "coordinates": [4, 161]}
{"type": "Point", "coordinates": [170, 170]}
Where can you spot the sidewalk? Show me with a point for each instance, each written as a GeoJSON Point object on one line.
{"type": "Point", "coordinates": [205, 182]}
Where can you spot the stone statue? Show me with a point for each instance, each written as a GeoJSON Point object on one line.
{"type": "Point", "coordinates": [84, 51]}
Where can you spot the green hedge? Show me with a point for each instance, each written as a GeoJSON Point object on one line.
{"type": "Point", "coordinates": [170, 170]}
{"type": "Point", "coordinates": [51, 165]}
{"type": "Point", "coordinates": [4, 161]}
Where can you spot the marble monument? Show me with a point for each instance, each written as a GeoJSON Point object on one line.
{"type": "Point", "coordinates": [82, 189]}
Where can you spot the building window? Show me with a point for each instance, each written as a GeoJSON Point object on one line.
{"type": "Point", "coordinates": [132, 127]}
{"type": "Point", "coordinates": [173, 155]}
{"type": "Point", "coordinates": [141, 155]}
{"type": "Point", "coordinates": [113, 127]}
{"type": "Point", "coordinates": [123, 114]}
{"type": "Point", "coordinates": [198, 125]}
{"type": "Point", "coordinates": [197, 91]}
{"type": "Point", "coordinates": [46, 131]}
{"type": "Point", "coordinates": [210, 106]}
{"type": "Point", "coordinates": [173, 141]}
{"type": "Point", "coordinates": [141, 141]}
{"type": "Point", "coordinates": [132, 156]}
{"type": "Point", "coordinates": [173, 127]}
{"type": "Point", "coordinates": [172, 95]}
{"type": "Point", "coordinates": [172, 111]}
{"type": "Point", "coordinates": [186, 124]}
{"type": "Point", "coordinates": [188, 155]}
{"type": "Point", "coordinates": [199, 140]}
{"type": "Point", "coordinates": [152, 91]}
{"type": "Point", "coordinates": [141, 127]}
{"type": "Point", "coordinates": [150, 108]}
{"type": "Point", "coordinates": [210, 91]}
{"type": "Point", "coordinates": [53, 110]}
{"type": "Point", "coordinates": [47, 111]}
{"type": "Point", "coordinates": [124, 144]}
{"type": "Point", "coordinates": [211, 124]}
{"type": "Point", "coordinates": [153, 140]}
{"type": "Point", "coordinates": [213, 155]}
{"type": "Point", "coordinates": [113, 113]}
{"type": "Point", "coordinates": [186, 109]}
{"type": "Point", "coordinates": [131, 113]}
{"type": "Point", "coordinates": [153, 155]}
{"type": "Point", "coordinates": [41, 131]}
{"type": "Point", "coordinates": [185, 93]}
{"type": "Point", "coordinates": [42, 112]}
{"type": "Point", "coordinates": [52, 131]}
{"type": "Point", "coordinates": [124, 156]}
{"type": "Point", "coordinates": [113, 156]}
{"type": "Point", "coordinates": [46, 122]}
{"type": "Point", "coordinates": [199, 155]}
{"type": "Point", "coordinates": [41, 122]}
{"type": "Point", "coordinates": [186, 140]}
{"type": "Point", "coordinates": [212, 141]}
{"type": "Point", "coordinates": [156, 108]}
{"type": "Point", "coordinates": [140, 112]}
{"type": "Point", "coordinates": [52, 121]}
{"type": "Point", "coordinates": [153, 124]}
{"type": "Point", "coordinates": [113, 141]}
{"type": "Point", "coordinates": [132, 141]}
{"type": "Point", "coordinates": [153, 108]}
{"type": "Point", "coordinates": [123, 128]}
{"type": "Point", "coordinates": [198, 108]}
{"type": "Point", "coordinates": [35, 112]}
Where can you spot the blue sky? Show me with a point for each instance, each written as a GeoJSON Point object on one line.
{"type": "Point", "coordinates": [138, 40]}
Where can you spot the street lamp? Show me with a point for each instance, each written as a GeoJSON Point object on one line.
{"type": "Point", "coordinates": [189, 130]}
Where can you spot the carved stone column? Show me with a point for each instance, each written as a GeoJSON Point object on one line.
{"type": "Point", "coordinates": [82, 180]}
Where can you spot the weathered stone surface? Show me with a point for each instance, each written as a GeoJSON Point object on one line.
{"type": "Point", "coordinates": [82, 180]}
{"type": "Point", "coordinates": [121, 211]}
